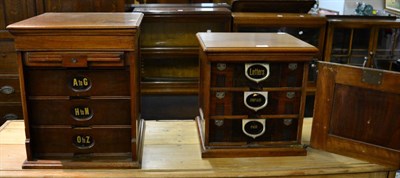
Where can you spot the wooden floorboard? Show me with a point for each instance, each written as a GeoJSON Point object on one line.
{"type": "Point", "coordinates": [171, 149]}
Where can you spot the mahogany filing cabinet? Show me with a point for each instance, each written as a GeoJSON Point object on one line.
{"type": "Point", "coordinates": [80, 89]}
{"type": "Point", "coordinates": [252, 94]}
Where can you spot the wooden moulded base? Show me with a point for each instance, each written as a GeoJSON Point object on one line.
{"type": "Point", "coordinates": [70, 164]}
{"type": "Point", "coordinates": [230, 151]}
{"type": "Point", "coordinates": [103, 162]}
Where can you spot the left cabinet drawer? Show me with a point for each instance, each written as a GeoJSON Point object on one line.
{"type": "Point", "coordinates": [8, 63]}
{"type": "Point", "coordinates": [74, 59]}
{"type": "Point", "coordinates": [80, 112]}
{"type": "Point", "coordinates": [70, 82]}
{"type": "Point", "coordinates": [68, 141]}
{"type": "Point", "coordinates": [10, 111]}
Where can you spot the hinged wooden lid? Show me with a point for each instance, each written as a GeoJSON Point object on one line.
{"type": "Point", "coordinates": [77, 31]}
{"type": "Point", "coordinates": [76, 21]}
{"type": "Point", "coordinates": [253, 42]}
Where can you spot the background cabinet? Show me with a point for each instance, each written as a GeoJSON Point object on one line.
{"type": "Point", "coordinates": [169, 56]}
{"type": "Point", "coordinates": [363, 41]}
{"type": "Point", "coordinates": [10, 102]}
{"type": "Point", "coordinates": [80, 6]}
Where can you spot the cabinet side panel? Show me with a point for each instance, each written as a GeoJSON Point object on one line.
{"type": "Point", "coordinates": [373, 118]}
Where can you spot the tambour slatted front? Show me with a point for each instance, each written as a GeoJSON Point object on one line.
{"type": "Point", "coordinates": [80, 93]}
{"type": "Point", "coordinates": [252, 93]}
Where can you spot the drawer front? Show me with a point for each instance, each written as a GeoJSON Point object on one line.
{"type": "Point", "coordinates": [46, 82]}
{"type": "Point", "coordinates": [231, 130]}
{"type": "Point", "coordinates": [80, 112]}
{"type": "Point", "coordinates": [7, 45]}
{"type": "Point", "coordinates": [10, 111]}
{"type": "Point", "coordinates": [74, 59]}
{"type": "Point", "coordinates": [75, 141]}
{"type": "Point", "coordinates": [9, 89]}
{"type": "Point", "coordinates": [254, 103]}
{"type": "Point", "coordinates": [8, 63]}
{"type": "Point", "coordinates": [8, 57]}
{"type": "Point", "coordinates": [256, 75]}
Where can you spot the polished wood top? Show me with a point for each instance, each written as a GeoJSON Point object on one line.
{"type": "Point", "coordinates": [253, 42]}
{"type": "Point", "coordinates": [275, 19]}
{"type": "Point", "coordinates": [80, 21]}
{"type": "Point", "coordinates": [362, 21]}
{"type": "Point", "coordinates": [183, 10]}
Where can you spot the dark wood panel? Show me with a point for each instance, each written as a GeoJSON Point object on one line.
{"type": "Point", "coordinates": [373, 117]}
{"type": "Point", "coordinates": [80, 6]}
{"type": "Point", "coordinates": [12, 11]}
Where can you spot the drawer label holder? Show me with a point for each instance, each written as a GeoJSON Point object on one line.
{"type": "Point", "coordinates": [255, 100]}
{"type": "Point", "coordinates": [257, 72]}
{"type": "Point", "coordinates": [253, 127]}
{"type": "Point", "coordinates": [81, 113]}
{"type": "Point", "coordinates": [83, 141]}
{"type": "Point", "coordinates": [80, 84]}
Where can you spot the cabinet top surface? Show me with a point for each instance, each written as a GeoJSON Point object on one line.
{"type": "Point", "coordinates": [183, 10]}
{"type": "Point", "coordinates": [255, 15]}
{"type": "Point", "coordinates": [80, 21]}
{"type": "Point", "coordinates": [255, 42]}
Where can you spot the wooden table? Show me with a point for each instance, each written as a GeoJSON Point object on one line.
{"type": "Point", "coordinates": [172, 149]}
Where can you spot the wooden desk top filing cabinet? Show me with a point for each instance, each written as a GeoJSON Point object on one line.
{"type": "Point", "coordinates": [80, 89]}
{"type": "Point", "coordinates": [252, 94]}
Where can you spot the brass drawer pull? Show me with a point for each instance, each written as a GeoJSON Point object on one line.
{"type": "Point", "coordinates": [83, 141]}
{"type": "Point", "coordinates": [10, 116]}
{"type": "Point", "coordinates": [7, 90]}
{"type": "Point", "coordinates": [74, 60]}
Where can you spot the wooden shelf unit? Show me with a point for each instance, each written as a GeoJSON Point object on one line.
{"type": "Point", "coordinates": [169, 55]}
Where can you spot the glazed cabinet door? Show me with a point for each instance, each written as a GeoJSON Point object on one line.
{"type": "Point", "coordinates": [364, 42]}
{"type": "Point", "coordinates": [387, 51]}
